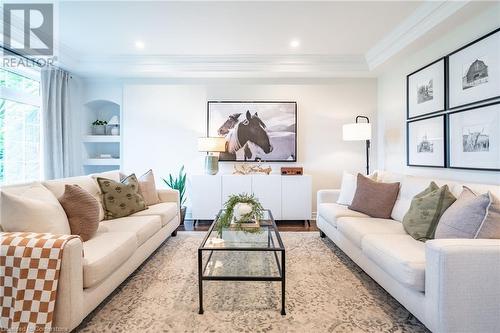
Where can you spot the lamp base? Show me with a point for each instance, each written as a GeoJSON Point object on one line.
{"type": "Point", "coordinates": [211, 164]}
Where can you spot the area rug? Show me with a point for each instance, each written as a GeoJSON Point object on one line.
{"type": "Point", "coordinates": [325, 292]}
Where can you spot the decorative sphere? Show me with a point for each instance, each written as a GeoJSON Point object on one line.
{"type": "Point", "coordinates": [241, 209]}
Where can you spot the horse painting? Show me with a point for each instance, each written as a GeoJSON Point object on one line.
{"type": "Point", "coordinates": [255, 131]}
{"type": "Point", "coordinates": [252, 130]}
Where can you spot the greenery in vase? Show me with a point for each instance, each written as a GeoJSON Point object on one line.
{"type": "Point", "coordinates": [227, 214]}
{"type": "Point", "coordinates": [98, 122]}
{"type": "Point", "coordinates": [178, 183]}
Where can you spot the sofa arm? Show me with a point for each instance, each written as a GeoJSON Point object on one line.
{"type": "Point", "coordinates": [169, 195]}
{"type": "Point", "coordinates": [68, 312]}
{"type": "Point", "coordinates": [462, 285]}
{"type": "Point", "coordinates": [327, 196]}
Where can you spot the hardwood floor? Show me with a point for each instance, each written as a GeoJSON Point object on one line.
{"type": "Point", "coordinates": [203, 225]}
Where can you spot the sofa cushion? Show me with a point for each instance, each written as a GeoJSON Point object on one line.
{"type": "Point", "coordinates": [147, 188]}
{"type": "Point", "coordinates": [355, 228]}
{"type": "Point", "coordinates": [32, 208]}
{"type": "Point", "coordinates": [120, 199]}
{"type": "Point", "coordinates": [348, 187]}
{"type": "Point", "coordinates": [400, 256]}
{"type": "Point", "coordinates": [104, 253]}
{"type": "Point", "coordinates": [332, 211]}
{"type": "Point", "coordinates": [464, 218]}
{"type": "Point", "coordinates": [82, 210]}
{"type": "Point", "coordinates": [374, 198]}
{"type": "Point", "coordinates": [166, 210]}
{"type": "Point", "coordinates": [87, 183]}
{"type": "Point", "coordinates": [144, 227]}
{"type": "Point", "coordinates": [426, 208]}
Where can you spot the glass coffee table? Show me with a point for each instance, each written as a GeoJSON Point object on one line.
{"type": "Point", "coordinates": [239, 255]}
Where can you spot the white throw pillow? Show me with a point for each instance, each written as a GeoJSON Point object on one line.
{"type": "Point", "coordinates": [35, 210]}
{"type": "Point", "coordinates": [348, 187]}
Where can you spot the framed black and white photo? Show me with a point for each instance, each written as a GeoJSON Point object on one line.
{"type": "Point", "coordinates": [255, 131]}
{"type": "Point", "coordinates": [474, 138]}
{"type": "Point", "coordinates": [425, 90]}
{"type": "Point", "coordinates": [474, 72]}
{"type": "Point", "coordinates": [425, 142]}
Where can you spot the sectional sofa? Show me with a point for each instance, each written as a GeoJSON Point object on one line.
{"type": "Point", "coordinates": [118, 248]}
{"type": "Point", "coordinates": [451, 285]}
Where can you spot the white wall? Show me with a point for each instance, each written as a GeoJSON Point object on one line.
{"type": "Point", "coordinates": [391, 112]}
{"type": "Point", "coordinates": [162, 121]}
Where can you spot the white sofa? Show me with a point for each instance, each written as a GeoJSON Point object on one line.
{"type": "Point", "coordinates": [118, 248]}
{"type": "Point", "coordinates": [450, 285]}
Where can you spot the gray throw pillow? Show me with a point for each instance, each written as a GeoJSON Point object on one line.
{"type": "Point", "coordinates": [464, 218]}
{"type": "Point", "coordinates": [490, 228]}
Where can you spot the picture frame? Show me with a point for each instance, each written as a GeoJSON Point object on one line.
{"type": "Point", "coordinates": [274, 130]}
{"type": "Point", "coordinates": [474, 72]}
{"type": "Point", "coordinates": [426, 90]}
{"type": "Point", "coordinates": [474, 138]}
{"type": "Point", "coordinates": [425, 142]}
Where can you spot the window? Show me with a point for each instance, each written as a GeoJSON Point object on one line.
{"type": "Point", "coordinates": [20, 126]}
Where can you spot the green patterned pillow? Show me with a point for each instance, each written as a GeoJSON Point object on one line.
{"type": "Point", "coordinates": [120, 199]}
{"type": "Point", "coordinates": [426, 209]}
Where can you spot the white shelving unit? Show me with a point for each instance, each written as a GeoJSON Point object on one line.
{"type": "Point", "coordinates": [95, 145]}
{"type": "Point", "coordinates": [102, 138]}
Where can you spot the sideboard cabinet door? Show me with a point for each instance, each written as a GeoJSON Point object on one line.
{"type": "Point", "coordinates": [206, 196]}
{"type": "Point", "coordinates": [296, 197]}
{"type": "Point", "coordinates": [267, 188]}
{"type": "Point", "coordinates": [235, 184]}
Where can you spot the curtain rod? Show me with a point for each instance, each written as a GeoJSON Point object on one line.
{"type": "Point", "coordinates": [19, 55]}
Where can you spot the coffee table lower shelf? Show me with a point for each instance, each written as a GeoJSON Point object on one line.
{"type": "Point", "coordinates": [202, 277]}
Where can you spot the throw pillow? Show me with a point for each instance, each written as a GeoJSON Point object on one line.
{"type": "Point", "coordinates": [120, 199]}
{"type": "Point", "coordinates": [374, 198]}
{"type": "Point", "coordinates": [147, 188]}
{"type": "Point", "coordinates": [464, 217]}
{"type": "Point", "coordinates": [490, 227]}
{"type": "Point", "coordinates": [82, 210]}
{"type": "Point", "coordinates": [348, 188]}
{"type": "Point", "coordinates": [425, 211]}
{"type": "Point", "coordinates": [34, 209]}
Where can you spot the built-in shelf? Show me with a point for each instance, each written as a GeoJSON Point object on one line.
{"type": "Point", "coordinates": [102, 161]}
{"type": "Point", "coordinates": [101, 138]}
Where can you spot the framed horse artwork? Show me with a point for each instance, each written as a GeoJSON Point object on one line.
{"type": "Point", "coordinates": [254, 131]}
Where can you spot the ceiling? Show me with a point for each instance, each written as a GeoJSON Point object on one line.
{"type": "Point", "coordinates": [236, 38]}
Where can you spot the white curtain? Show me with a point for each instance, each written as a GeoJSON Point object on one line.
{"type": "Point", "coordinates": [56, 123]}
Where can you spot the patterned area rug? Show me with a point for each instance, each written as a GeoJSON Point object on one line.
{"type": "Point", "coordinates": [325, 292]}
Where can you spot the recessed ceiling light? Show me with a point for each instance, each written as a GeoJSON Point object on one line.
{"type": "Point", "coordinates": [139, 44]}
{"type": "Point", "coordinates": [295, 43]}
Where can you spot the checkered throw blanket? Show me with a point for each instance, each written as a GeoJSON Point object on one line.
{"type": "Point", "coordinates": [29, 272]}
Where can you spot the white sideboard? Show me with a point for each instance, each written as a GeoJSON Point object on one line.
{"type": "Point", "coordinates": [288, 197]}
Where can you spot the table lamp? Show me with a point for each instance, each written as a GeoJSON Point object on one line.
{"type": "Point", "coordinates": [213, 146]}
{"type": "Point", "coordinates": [359, 131]}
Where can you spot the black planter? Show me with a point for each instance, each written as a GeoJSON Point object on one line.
{"type": "Point", "coordinates": [183, 213]}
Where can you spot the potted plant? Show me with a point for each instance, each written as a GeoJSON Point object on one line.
{"type": "Point", "coordinates": [99, 127]}
{"type": "Point", "coordinates": [241, 211]}
{"type": "Point", "coordinates": [179, 183]}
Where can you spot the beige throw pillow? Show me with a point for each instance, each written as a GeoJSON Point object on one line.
{"type": "Point", "coordinates": [348, 188]}
{"type": "Point", "coordinates": [82, 210]}
{"type": "Point", "coordinates": [33, 210]}
{"type": "Point", "coordinates": [147, 188]}
{"type": "Point", "coordinates": [373, 198]}
{"type": "Point", "coordinates": [120, 199]}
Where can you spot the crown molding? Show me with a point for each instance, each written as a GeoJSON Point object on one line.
{"type": "Point", "coordinates": [425, 17]}
{"type": "Point", "coordinates": [300, 65]}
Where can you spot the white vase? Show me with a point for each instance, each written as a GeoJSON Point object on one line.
{"type": "Point", "coordinates": [241, 209]}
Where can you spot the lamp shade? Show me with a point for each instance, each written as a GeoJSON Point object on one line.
{"type": "Point", "coordinates": [212, 144]}
{"type": "Point", "coordinates": [357, 132]}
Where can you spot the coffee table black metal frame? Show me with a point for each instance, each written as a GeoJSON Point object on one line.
{"type": "Point", "coordinates": [271, 227]}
